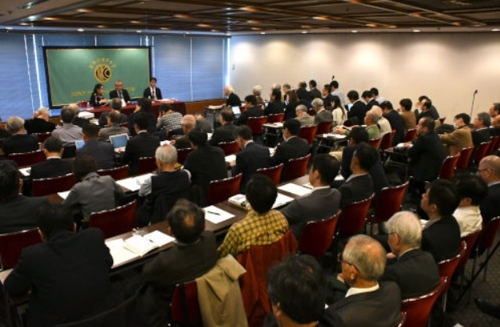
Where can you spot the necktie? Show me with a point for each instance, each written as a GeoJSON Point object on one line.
{"type": "Point", "coordinates": [120, 95]}
{"type": "Point", "coordinates": [153, 96]}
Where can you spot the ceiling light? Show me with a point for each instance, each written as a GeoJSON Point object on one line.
{"type": "Point", "coordinates": [416, 31]}
{"type": "Point", "coordinates": [354, 31]}
{"type": "Point", "coordinates": [495, 30]}
{"type": "Point", "coordinates": [8, 27]}
{"type": "Point", "coordinates": [101, 26]}
{"type": "Point", "coordinates": [248, 8]}
{"type": "Point", "coordinates": [320, 18]}
{"type": "Point", "coordinates": [262, 33]}
{"type": "Point", "coordinates": [80, 30]}
{"type": "Point", "coordinates": [135, 22]}
{"type": "Point", "coordinates": [304, 32]}
{"type": "Point", "coordinates": [371, 25]}
{"type": "Point", "coordinates": [139, 31]}
{"type": "Point", "coordinates": [24, 24]}
{"type": "Point", "coordinates": [203, 25]}
{"type": "Point", "coordinates": [182, 16]}
{"type": "Point", "coordinates": [84, 10]}
{"type": "Point", "coordinates": [165, 28]}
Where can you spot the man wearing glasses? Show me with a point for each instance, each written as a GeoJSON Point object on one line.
{"type": "Point", "coordinates": [489, 170]}
{"type": "Point", "coordinates": [119, 92]}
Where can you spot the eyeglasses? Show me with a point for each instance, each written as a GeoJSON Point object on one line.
{"type": "Point", "coordinates": [340, 260]}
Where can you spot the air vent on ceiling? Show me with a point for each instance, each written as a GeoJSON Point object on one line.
{"type": "Point", "coordinates": [31, 4]}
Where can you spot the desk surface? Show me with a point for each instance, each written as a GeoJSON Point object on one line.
{"type": "Point", "coordinates": [129, 108]}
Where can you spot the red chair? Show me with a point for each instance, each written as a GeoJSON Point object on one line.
{"type": "Point", "coordinates": [470, 240]}
{"type": "Point", "coordinates": [146, 165]}
{"type": "Point", "coordinates": [308, 133]}
{"type": "Point", "coordinates": [12, 244]}
{"type": "Point", "coordinates": [182, 155]}
{"type": "Point", "coordinates": [486, 241]}
{"type": "Point", "coordinates": [46, 186]}
{"type": "Point", "coordinates": [223, 189]}
{"type": "Point", "coordinates": [463, 161]}
{"type": "Point", "coordinates": [116, 173]}
{"type": "Point", "coordinates": [243, 109]}
{"type": "Point", "coordinates": [274, 173]}
{"type": "Point", "coordinates": [418, 309]}
{"type": "Point", "coordinates": [403, 319]}
{"type": "Point", "coordinates": [318, 236]}
{"type": "Point", "coordinates": [296, 168]}
{"type": "Point", "coordinates": [495, 144]}
{"type": "Point", "coordinates": [185, 308]}
{"type": "Point", "coordinates": [275, 118]}
{"type": "Point", "coordinates": [324, 127]}
{"type": "Point", "coordinates": [481, 152]}
{"type": "Point", "coordinates": [352, 219]}
{"type": "Point", "coordinates": [387, 203]}
{"type": "Point", "coordinates": [448, 167]}
{"type": "Point", "coordinates": [375, 142]}
{"type": "Point", "coordinates": [441, 120]}
{"type": "Point", "coordinates": [115, 221]}
{"type": "Point", "coordinates": [229, 147]}
{"type": "Point", "coordinates": [347, 123]}
{"type": "Point", "coordinates": [255, 124]}
{"type": "Point", "coordinates": [27, 158]}
{"type": "Point", "coordinates": [448, 267]}
{"type": "Point", "coordinates": [42, 136]}
{"type": "Point", "coordinates": [386, 140]}
{"type": "Point", "coordinates": [410, 135]}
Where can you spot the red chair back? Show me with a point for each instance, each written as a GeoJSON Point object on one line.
{"type": "Point", "coordinates": [243, 109]}
{"type": "Point", "coordinates": [116, 173]}
{"type": "Point", "coordinates": [274, 173]}
{"type": "Point", "coordinates": [352, 219]}
{"type": "Point", "coordinates": [470, 240]}
{"type": "Point", "coordinates": [308, 133]}
{"type": "Point", "coordinates": [27, 158]}
{"type": "Point", "coordinates": [489, 233]}
{"type": "Point", "coordinates": [146, 165]}
{"type": "Point", "coordinates": [324, 127]}
{"type": "Point", "coordinates": [375, 142]}
{"type": "Point", "coordinates": [42, 136]}
{"type": "Point", "coordinates": [463, 161]}
{"type": "Point", "coordinates": [185, 308]}
{"type": "Point", "coordinates": [448, 167]}
{"type": "Point", "coordinates": [388, 202]}
{"type": "Point", "coordinates": [441, 120]}
{"type": "Point", "coordinates": [410, 135]}
{"type": "Point", "coordinates": [296, 168]}
{"type": "Point", "coordinates": [223, 189]}
{"type": "Point", "coordinates": [275, 118]}
{"type": "Point", "coordinates": [495, 144]}
{"type": "Point", "coordinates": [448, 267]}
{"type": "Point", "coordinates": [12, 244]}
{"type": "Point", "coordinates": [318, 235]}
{"type": "Point", "coordinates": [255, 124]}
{"type": "Point", "coordinates": [182, 155]}
{"type": "Point", "coordinates": [418, 309]}
{"type": "Point", "coordinates": [386, 140]}
{"type": "Point", "coordinates": [115, 221]}
{"type": "Point", "coordinates": [46, 186]}
{"type": "Point", "coordinates": [229, 147]}
{"type": "Point", "coordinates": [481, 152]}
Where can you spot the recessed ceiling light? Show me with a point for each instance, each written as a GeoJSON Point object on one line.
{"type": "Point", "coordinates": [101, 26]}
{"type": "Point", "coordinates": [31, 4]}
{"type": "Point", "coordinates": [354, 31]}
{"type": "Point", "coordinates": [262, 33]}
{"type": "Point", "coordinates": [304, 32]}
{"type": "Point", "coordinates": [135, 22]}
{"type": "Point", "coordinates": [139, 31]}
{"type": "Point", "coordinates": [8, 27]}
{"type": "Point", "coordinates": [80, 30]}
{"type": "Point", "coordinates": [165, 28]}
{"type": "Point", "coordinates": [495, 30]}
{"type": "Point", "coordinates": [416, 31]}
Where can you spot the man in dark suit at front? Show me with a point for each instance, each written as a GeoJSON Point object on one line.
{"type": "Point", "coordinates": [102, 152]}
{"type": "Point", "coordinates": [40, 122]}
{"type": "Point", "coordinates": [18, 212]}
{"type": "Point", "coordinates": [252, 110]}
{"type": "Point", "coordinates": [367, 302]}
{"type": "Point", "coordinates": [359, 186]}
{"type": "Point", "coordinates": [358, 109]}
{"type": "Point", "coordinates": [152, 92]}
{"type": "Point", "coordinates": [119, 92]}
{"type": "Point", "coordinates": [54, 166]}
{"type": "Point", "coordinates": [141, 145]}
{"type": "Point", "coordinates": [225, 133]}
{"type": "Point", "coordinates": [414, 270]}
{"type": "Point", "coordinates": [489, 170]}
{"type": "Point", "coordinates": [251, 157]}
{"type": "Point", "coordinates": [481, 132]}
{"type": "Point", "coordinates": [19, 142]}
{"type": "Point", "coordinates": [68, 274]}
{"type": "Point", "coordinates": [194, 254]}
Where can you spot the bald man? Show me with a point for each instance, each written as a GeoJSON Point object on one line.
{"type": "Point", "coordinates": [489, 170]}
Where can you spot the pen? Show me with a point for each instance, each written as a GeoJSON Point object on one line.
{"type": "Point", "coordinates": [213, 213]}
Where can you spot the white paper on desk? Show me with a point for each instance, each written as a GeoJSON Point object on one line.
{"type": "Point", "coordinates": [216, 215]}
{"type": "Point", "coordinates": [230, 158]}
{"type": "Point", "coordinates": [209, 136]}
{"type": "Point", "coordinates": [119, 253]}
{"type": "Point", "coordinates": [281, 200]}
{"type": "Point", "coordinates": [278, 124]}
{"type": "Point", "coordinates": [25, 171]}
{"type": "Point", "coordinates": [308, 185]}
{"type": "Point", "coordinates": [133, 183]}
{"type": "Point", "coordinates": [139, 245]}
{"type": "Point", "coordinates": [272, 151]}
{"type": "Point", "coordinates": [335, 136]}
{"type": "Point", "coordinates": [295, 189]}
{"type": "Point", "coordinates": [63, 195]}
{"type": "Point", "coordinates": [159, 238]}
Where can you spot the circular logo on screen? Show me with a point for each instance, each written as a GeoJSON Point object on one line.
{"type": "Point", "coordinates": [102, 73]}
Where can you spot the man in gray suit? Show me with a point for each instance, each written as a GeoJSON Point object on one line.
{"type": "Point", "coordinates": [312, 207]}
{"type": "Point", "coordinates": [322, 115]}
{"type": "Point", "coordinates": [302, 116]}
{"type": "Point", "coordinates": [113, 121]}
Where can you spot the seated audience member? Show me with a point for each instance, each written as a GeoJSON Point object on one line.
{"type": "Point", "coordinates": [378, 97]}
{"type": "Point", "coordinates": [312, 207]}
{"type": "Point", "coordinates": [371, 119]}
{"type": "Point", "coordinates": [40, 122]}
{"type": "Point", "coordinates": [68, 133]}
{"type": "Point", "coordinates": [383, 124]}
{"type": "Point", "coordinates": [297, 291]}
{"type": "Point", "coordinates": [334, 87]}
{"type": "Point", "coordinates": [257, 92]}
{"type": "Point", "coordinates": [67, 274]}
{"type": "Point", "coordinates": [251, 157]}
{"type": "Point", "coordinates": [441, 234]}
{"type": "Point", "coordinates": [78, 121]}
{"type": "Point", "coordinates": [395, 121]}
{"type": "Point", "coordinates": [408, 117]}
{"type": "Point", "coordinates": [54, 166]}
{"type": "Point", "coordinates": [472, 190]}
{"type": "Point", "coordinates": [225, 133]}
{"type": "Point", "coordinates": [116, 106]}
{"type": "Point", "coordinates": [367, 302]}
{"type": "Point", "coordinates": [102, 152]}
{"type": "Point", "coordinates": [262, 225]}
{"type": "Point", "coordinates": [169, 119]}
{"type": "Point", "coordinates": [292, 147]}
{"type": "Point", "coordinates": [489, 170]}
{"type": "Point", "coordinates": [302, 116]}
{"type": "Point", "coordinates": [275, 105]}
{"type": "Point", "coordinates": [19, 212]}
{"type": "Point", "coordinates": [425, 106]}
{"type": "Point", "coordinates": [202, 123]}
{"type": "Point", "coordinates": [356, 114]}
{"type": "Point", "coordinates": [119, 92]}
{"type": "Point", "coordinates": [313, 91]}
{"type": "Point", "coordinates": [495, 118]}
{"type": "Point", "coordinates": [206, 163]}
{"type": "Point", "coordinates": [143, 106]}
{"type": "Point", "coordinates": [232, 99]}
{"type": "Point", "coordinates": [369, 99]}
{"type": "Point", "coordinates": [414, 270]}
{"type": "Point", "coordinates": [113, 128]}
{"type": "Point", "coordinates": [322, 115]}
{"type": "Point", "coordinates": [19, 142]}
{"type": "Point", "coordinates": [194, 254]}
{"type": "Point", "coordinates": [481, 132]}
{"type": "Point", "coordinates": [91, 193]}
{"type": "Point", "coordinates": [432, 111]}
{"type": "Point", "coordinates": [188, 124]}
{"type": "Point", "coordinates": [338, 112]}
{"type": "Point", "coordinates": [167, 186]}
{"type": "Point", "coordinates": [251, 110]}
{"type": "Point", "coordinates": [359, 186]}
{"type": "Point", "coordinates": [291, 105]}
{"type": "Point", "coordinates": [357, 136]}
{"type": "Point", "coordinates": [141, 145]}
{"type": "Point", "coordinates": [303, 95]}
{"type": "Point", "coordinates": [460, 138]}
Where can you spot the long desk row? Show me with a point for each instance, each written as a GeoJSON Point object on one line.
{"type": "Point", "coordinates": [129, 108]}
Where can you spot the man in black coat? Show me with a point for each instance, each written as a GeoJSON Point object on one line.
{"type": "Point", "coordinates": [481, 132]}
{"type": "Point", "coordinates": [232, 99]}
{"type": "Point", "coordinates": [356, 114]}
{"type": "Point", "coordinates": [40, 122]}
{"type": "Point", "coordinates": [489, 170]}
{"type": "Point", "coordinates": [54, 166]}
{"type": "Point", "coordinates": [119, 92]}
{"type": "Point", "coordinates": [68, 274]}
{"type": "Point", "coordinates": [152, 92]}
{"type": "Point", "coordinates": [19, 142]}
{"type": "Point", "coordinates": [252, 110]}
{"type": "Point", "coordinates": [225, 133]}
{"type": "Point", "coordinates": [395, 120]}
{"type": "Point", "coordinates": [102, 152]}
{"type": "Point", "coordinates": [275, 105]}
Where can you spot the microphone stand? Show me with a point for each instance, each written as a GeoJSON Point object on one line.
{"type": "Point", "coordinates": [473, 99]}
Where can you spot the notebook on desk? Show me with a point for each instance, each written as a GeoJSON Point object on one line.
{"type": "Point", "coordinates": [119, 140]}
{"type": "Point", "coordinates": [236, 111]}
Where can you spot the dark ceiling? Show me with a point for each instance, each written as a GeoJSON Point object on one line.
{"type": "Point", "coordinates": [254, 16]}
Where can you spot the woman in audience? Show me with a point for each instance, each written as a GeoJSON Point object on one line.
{"type": "Point", "coordinates": [339, 113]}
{"type": "Point", "coordinates": [97, 99]}
{"type": "Point", "coordinates": [292, 103]}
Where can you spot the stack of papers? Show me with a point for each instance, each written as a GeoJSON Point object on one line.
{"type": "Point", "coordinates": [63, 195]}
{"type": "Point", "coordinates": [335, 136]}
{"type": "Point", "coordinates": [240, 200]}
{"type": "Point", "coordinates": [215, 107]}
{"type": "Point", "coordinates": [133, 183]}
{"type": "Point", "coordinates": [216, 215]}
{"type": "Point", "coordinates": [295, 189]}
{"type": "Point", "coordinates": [25, 171]}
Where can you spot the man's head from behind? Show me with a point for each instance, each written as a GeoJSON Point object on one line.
{"type": "Point", "coordinates": [186, 221]}
{"type": "Point", "coordinates": [15, 125]}
{"type": "Point", "coordinates": [358, 134]}
{"type": "Point", "coordinates": [197, 138]}
{"type": "Point", "coordinates": [90, 132]}
{"type": "Point", "coordinates": [67, 115]}
{"type": "Point", "coordinates": [489, 169]}
{"type": "Point", "coordinates": [226, 116]}
{"type": "Point", "coordinates": [114, 117]}
{"type": "Point", "coordinates": [53, 146]}
{"type": "Point", "coordinates": [297, 290]}
{"type": "Point", "coordinates": [84, 165]}
{"type": "Point", "coordinates": [166, 156]}
{"type": "Point", "coordinates": [441, 199]}
{"type": "Point", "coordinates": [323, 170]}
{"type": "Point", "coordinates": [141, 121]}
{"type": "Point", "coordinates": [116, 103]}
{"type": "Point", "coordinates": [471, 189]}
{"type": "Point", "coordinates": [10, 181]}
{"type": "Point", "coordinates": [243, 134]}
{"type": "Point", "coordinates": [188, 122]}
{"type": "Point", "coordinates": [405, 232]}
{"type": "Point", "coordinates": [291, 127]}
{"type": "Point", "coordinates": [425, 126]}
{"type": "Point", "coordinates": [301, 110]}
{"type": "Point", "coordinates": [364, 158]}
{"type": "Point", "coordinates": [317, 104]}
{"type": "Point", "coordinates": [55, 219]}
{"type": "Point", "coordinates": [261, 193]}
